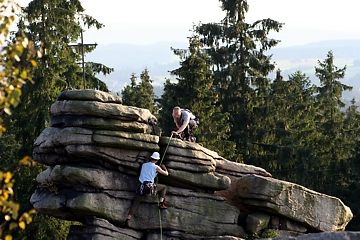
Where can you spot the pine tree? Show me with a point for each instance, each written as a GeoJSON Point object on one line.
{"type": "Point", "coordinates": [51, 26]}
{"type": "Point", "coordinates": [330, 117]}
{"type": "Point", "coordinates": [351, 128]}
{"type": "Point", "coordinates": [140, 94]}
{"type": "Point", "coordinates": [146, 98]}
{"type": "Point", "coordinates": [237, 50]}
{"type": "Point", "coordinates": [128, 94]}
{"type": "Point", "coordinates": [166, 102]}
{"type": "Point", "coordinates": [289, 129]}
{"type": "Point", "coordinates": [330, 120]}
{"type": "Point", "coordinates": [346, 178]}
{"type": "Point", "coordinates": [194, 91]}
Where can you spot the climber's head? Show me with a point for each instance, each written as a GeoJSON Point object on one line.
{"type": "Point", "coordinates": [155, 156]}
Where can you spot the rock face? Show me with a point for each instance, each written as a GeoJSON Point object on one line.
{"type": "Point", "coordinates": [302, 205]}
{"type": "Point", "coordinates": [94, 148]}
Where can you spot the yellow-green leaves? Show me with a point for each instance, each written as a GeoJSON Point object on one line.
{"type": "Point", "coordinates": [10, 209]}
{"type": "Point", "coordinates": [16, 60]}
{"type": "Point", "coordinates": [27, 161]}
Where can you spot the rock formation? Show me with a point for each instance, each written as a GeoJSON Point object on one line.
{"type": "Point", "coordinates": [94, 148]}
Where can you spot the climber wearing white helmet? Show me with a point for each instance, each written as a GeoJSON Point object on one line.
{"type": "Point", "coordinates": [148, 173]}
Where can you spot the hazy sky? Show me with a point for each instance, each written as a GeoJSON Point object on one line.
{"type": "Point", "coordinates": [150, 21]}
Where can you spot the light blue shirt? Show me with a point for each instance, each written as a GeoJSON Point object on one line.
{"type": "Point", "coordinates": [185, 116]}
{"type": "Point", "coordinates": [148, 172]}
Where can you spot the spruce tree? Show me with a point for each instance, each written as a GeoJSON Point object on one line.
{"type": "Point", "coordinates": [237, 50]}
{"type": "Point", "coordinates": [51, 25]}
{"type": "Point", "coordinates": [140, 94]}
{"type": "Point", "coordinates": [345, 184]}
{"type": "Point", "coordinates": [289, 129]}
{"type": "Point", "coordinates": [166, 102]}
{"type": "Point", "coordinates": [128, 93]}
{"type": "Point", "coordinates": [146, 97]}
{"type": "Point", "coordinates": [195, 91]}
{"type": "Point", "coordinates": [330, 120]}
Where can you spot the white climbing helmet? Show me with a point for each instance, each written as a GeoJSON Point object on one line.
{"type": "Point", "coordinates": [155, 155]}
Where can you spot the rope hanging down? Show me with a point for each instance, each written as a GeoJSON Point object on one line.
{"type": "Point", "coordinates": [158, 200]}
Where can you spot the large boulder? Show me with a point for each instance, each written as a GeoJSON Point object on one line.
{"type": "Point", "coordinates": [95, 147]}
{"type": "Point", "coordinates": [76, 192]}
{"type": "Point", "coordinates": [317, 211]}
{"type": "Point", "coordinates": [89, 95]}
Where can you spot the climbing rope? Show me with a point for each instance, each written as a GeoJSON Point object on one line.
{"type": "Point", "coordinates": [166, 149]}
{"type": "Point", "coordinates": [158, 200]}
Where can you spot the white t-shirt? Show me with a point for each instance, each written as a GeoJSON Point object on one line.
{"type": "Point", "coordinates": [148, 172]}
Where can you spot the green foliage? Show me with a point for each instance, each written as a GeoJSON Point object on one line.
{"type": "Point", "coordinates": [140, 94]}
{"type": "Point", "coordinates": [12, 77]}
{"type": "Point", "coordinates": [10, 210]}
{"type": "Point", "coordinates": [271, 233]}
{"type": "Point", "coordinates": [51, 25]}
{"type": "Point", "coordinates": [237, 53]}
{"type": "Point", "coordinates": [128, 94]}
{"type": "Point", "coordinates": [297, 131]}
{"type": "Point", "coordinates": [47, 226]}
{"type": "Point", "coordinates": [167, 103]}
{"type": "Point", "coordinates": [286, 130]}
{"type": "Point", "coordinates": [252, 236]}
{"type": "Point", "coordinates": [195, 91]}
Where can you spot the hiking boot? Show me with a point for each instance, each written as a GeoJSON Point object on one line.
{"type": "Point", "coordinates": [193, 139]}
{"type": "Point", "coordinates": [126, 223]}
{"type": "Point", "coordinates": [162, 206]}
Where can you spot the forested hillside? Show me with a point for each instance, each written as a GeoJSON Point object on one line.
{"type": "Point", "coordinates": [159, 60]}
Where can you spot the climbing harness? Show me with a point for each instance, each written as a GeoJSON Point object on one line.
{"type": "Point", "coordinates": [150, 185]}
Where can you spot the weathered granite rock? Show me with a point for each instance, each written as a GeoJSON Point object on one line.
{"type": "Point", "coordinates": [345, 235]}
{"type": "Point", "coordinates": [177, 235]}
{"type": "Point", "coordinates": [189, 164]}
{"type": "Point", "coordinates": [97, 228]}
{"type": "Point", "coordinates": [199, 180]}
{"type": "Point", "coordinates": [285, 224]}
{"type": "Point", "coordinates": [100, 123]}
{"type": "Point", "coordinates": [175, 144]}
{"type": "Point", "coordinates": [256, 222]}
{"type": "Point", "coordinates": [311, 209]}
{"type": "Point", "coordinates": [54, 137]}
{"type": "Point", "coordinates": [188, 214]}
{"type": "Point", "coordinates": [108, 193]}
{"type": "Point", "coordinates": [95, 147]}
{"type": "Point", "coordinates": [125, 140]}
{"type": "Point", "coordinates": [99, 109]}
{"type": "Point", "coordinates": [100, 179]}
{"type": "Point", "coordinates": [89, 95]}
{"type": "Point", "coordinates": [235, 171]}
{"type": "Point", "coordinates": [238, 169]}
{"type": "Point", "coordinates": [272, 234]}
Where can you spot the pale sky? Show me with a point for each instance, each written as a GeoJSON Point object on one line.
{"type": "Point", "coordinates": [150, 21]}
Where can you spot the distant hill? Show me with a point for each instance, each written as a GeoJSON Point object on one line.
{"type": "Point", "coordinates": [128, 58]}
{"type": "Point", "coordinates": [318, 50]}
{"type": "Point", "coordinates": [306, 57]}
{"type": "Point", "coordinates": [159, 60]}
